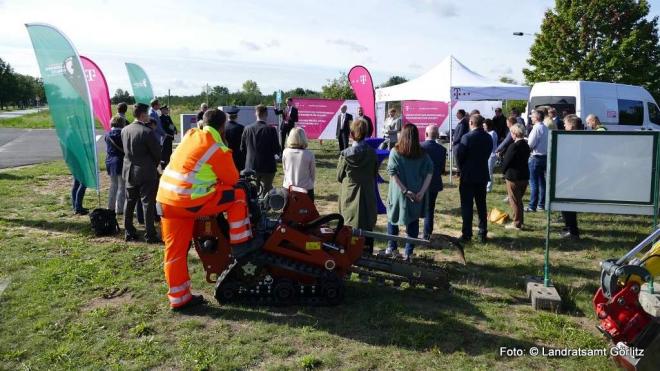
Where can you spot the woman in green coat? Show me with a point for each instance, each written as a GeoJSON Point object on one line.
{"type": "Point", "coordinates": [356, 172]}
{"type": "Point", "coordinates": [410, 170]}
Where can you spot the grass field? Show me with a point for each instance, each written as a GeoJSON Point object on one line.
{"type": "Point", "coordinates": [42, 120]}
{"type": "Point", "coordinates": [75, 301]}
{"type": "Point", "coordinates": [39, 120]}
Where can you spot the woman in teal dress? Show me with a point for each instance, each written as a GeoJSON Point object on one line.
{"type": "Point", "coordinates": [410, 170]}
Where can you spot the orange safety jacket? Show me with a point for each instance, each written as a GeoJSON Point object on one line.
{"type": "Point", "coordinates": [198, 165]}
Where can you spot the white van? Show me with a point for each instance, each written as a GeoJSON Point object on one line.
{"type": "Point", "coordinates": [618, 106]}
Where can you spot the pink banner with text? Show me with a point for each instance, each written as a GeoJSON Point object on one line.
{"type": "Point", "coordinates": [98, 89]}
{"type": "Point", "coordinates": [423, 114]}
{"type": "Point", "coordinates": [363, 86]}
{"type": "Point", "coordinates": [318, 116]}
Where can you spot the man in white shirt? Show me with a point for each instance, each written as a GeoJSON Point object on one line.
{"type": "Point", "coordinates": [391, 129]}
{"type": "Point", "coordinates": [538, 143]}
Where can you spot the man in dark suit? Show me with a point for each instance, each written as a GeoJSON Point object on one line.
{"type": "Point", "coordinates": [233, 134]}
{"type": "Point", "coordinates": [259, 142]}
{"type": "Point", "coordinates": [370, 125]}
{"type": "Point", "coordinates": [289, 119]}
{"type": "Point", "coordinates": [473, 152]}
{"type": "Point", "coordinates": [438, 155]}
{"type": "Point", "coordinates": [460, 130]}
{"type": "Point", "coordinates": [343, 127]}
{"type": "Point", "coordinates": [142, 154]}
{"type": "Point", "coordinates": [170, 131]}
{"type": "Point", "coordinates": [200, 115]}
{"type": "Point", "coordinates": [499, 123]}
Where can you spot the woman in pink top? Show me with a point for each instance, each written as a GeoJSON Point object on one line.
{"type": "Point", "coordinates": [299, 162]}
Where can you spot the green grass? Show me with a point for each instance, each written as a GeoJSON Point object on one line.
{"type": "Point", "coordinates": [75, 301]}
{"type": "Point", "coordinates": [42, 119]}
{"type": "Point", "coordinates": [39, 120]}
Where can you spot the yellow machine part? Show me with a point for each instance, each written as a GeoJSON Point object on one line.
{"type": "Point", "coordinates": [651, 262]}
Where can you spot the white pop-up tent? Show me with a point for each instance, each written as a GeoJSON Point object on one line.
{"type": "Point", "coordinates": [451, 81]}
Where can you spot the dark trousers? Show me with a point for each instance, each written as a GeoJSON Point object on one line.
{"type": "Point", "coordinates": [285, 128]}
{"type": "Point", "coordinates": [166, 152]}
{"type": "Point", "coordinates": [77, 195]}
{"type": "Point", "coordinates": [516, 191]}
{"type": "Point", "coordinates": [412, 231]}
{"type": "Point", "coordinates": [343, 140]}
{"type": "Point", "coordinates": [570, 221]}
{"type": "Point", "coordinates": [430, 214]}
{"type": "Point", "coordinates": [139, 210]}
{"type": "Point", "coordinates": [145, 192]}
{"type": "Point", "coordinates": [537, 165]}
{"type": "Point", "coordinates": [473, 192]}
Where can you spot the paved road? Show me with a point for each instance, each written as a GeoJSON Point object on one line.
{"type": "Point", "coordinates": [12, 114]}
{"type": "Point", "coordinates": [19, 147]}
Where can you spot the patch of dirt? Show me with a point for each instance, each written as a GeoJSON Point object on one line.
{"type": "Point", "coordinates": [114, 298]}
{"type": "Point", "coordinates": [52, 185]}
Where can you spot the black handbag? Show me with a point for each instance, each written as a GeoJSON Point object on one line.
{"type": "Point", "coordinates": [104, 222]}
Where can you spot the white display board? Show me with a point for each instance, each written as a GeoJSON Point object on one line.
{"type": "Point", "coordinates": [602, 172]}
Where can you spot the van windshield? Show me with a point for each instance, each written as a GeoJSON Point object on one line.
{"type": "Point", "coordinates": [563, 105]}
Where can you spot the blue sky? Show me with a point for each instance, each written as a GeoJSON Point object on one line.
{"type": "Point", "coordinates": [184, 45]}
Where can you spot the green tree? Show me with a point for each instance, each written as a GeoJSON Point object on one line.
{"type": "Point", "coordinates": [7, 83]}
{"type": "Point", "coordinates": [338, 88]}
{"type": "Point", "coordinates": [250, 87]}
{"type": "Point", "coordinates": [508, 80]}
{"type": "Point", "coordinates": [393, 80]}
{"type": "Point", "coordinates": [598, 40]}
{"type": "Point", "coordinates": [122, 96]}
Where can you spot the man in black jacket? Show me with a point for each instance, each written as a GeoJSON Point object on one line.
{"type": "Point", "coordinates": [233, 134]}
{"type": "Point", "coordinates": [259, 142]}
{"type": "Point", "coordinates": [473, 152]}
{"type": "Point", "coordinates": [499, 123]}
{"type": "Point", "coordinates": [170, 131]}
{"type": "Point", "coordinates": [460, 130]}
{"type": "Point", "coordinates": [141, 158]}
{"type": "Point", "coordinates": [370, 125]}
{"type": "Point", "coordinates": [343, 127]}
{"type": "Point", "coordinates": [289, 119]}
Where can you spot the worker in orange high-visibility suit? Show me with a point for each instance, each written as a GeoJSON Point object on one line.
{"type": "Point", "coordinates": [198, 181]}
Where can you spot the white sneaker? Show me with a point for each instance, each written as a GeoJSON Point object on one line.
{"type": "Point", "coordinates": [390, 252]}
{"type": "Point", "coordinates": [512, 226]}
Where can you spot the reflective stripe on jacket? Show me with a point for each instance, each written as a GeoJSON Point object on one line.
{"type": "Point", "coordinates": [198, 164]}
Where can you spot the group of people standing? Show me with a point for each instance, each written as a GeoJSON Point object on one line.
{"type": "Point", "coordinates": [135, 153]}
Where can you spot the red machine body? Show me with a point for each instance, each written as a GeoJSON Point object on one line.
{"type": "Point", "coordinates": [296, 237]}
{"type": "Point", "coordinates": [621, 318]}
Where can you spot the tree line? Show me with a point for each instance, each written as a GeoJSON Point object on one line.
{"type": "Point", "coordinates": [250, 94]}
{"type": "Point", "coordinates": [17, 90]}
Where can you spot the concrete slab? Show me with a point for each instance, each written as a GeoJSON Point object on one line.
{"type": "Point", "coordinates": [542, 298]}
{"type": "Point", "coordinates": [650, 302]}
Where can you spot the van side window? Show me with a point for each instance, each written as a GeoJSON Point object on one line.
{"type": "Point", "coordinates": [631, 112]}
{"type": "Point", "coordinates": [654, 113]}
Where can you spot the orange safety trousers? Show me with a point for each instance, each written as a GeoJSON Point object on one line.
{"type": "Point", "coordinates": [177, 225]}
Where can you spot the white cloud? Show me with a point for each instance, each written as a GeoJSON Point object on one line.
{"type": "Point", "coordinates": [351, 45]}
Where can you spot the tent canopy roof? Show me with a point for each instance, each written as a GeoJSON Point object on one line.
{"type": "Point", "coordinates": [451, 81]}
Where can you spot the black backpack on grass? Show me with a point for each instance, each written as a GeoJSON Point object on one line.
{"type": "Point", "coordinates": [104, 222]}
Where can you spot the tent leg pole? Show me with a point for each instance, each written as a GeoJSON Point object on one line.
{"type": "Point", "coordinates": [451, 149]}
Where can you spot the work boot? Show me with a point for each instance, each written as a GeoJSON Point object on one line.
{"type": "Point", "coordinates": [131, 236]}
{"type": "Point", "coordinates": [196, 301]}
{"type": "Point", "coordinates": [152, 239]}
{"type": "Point", "coordinates": [246, 248]}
